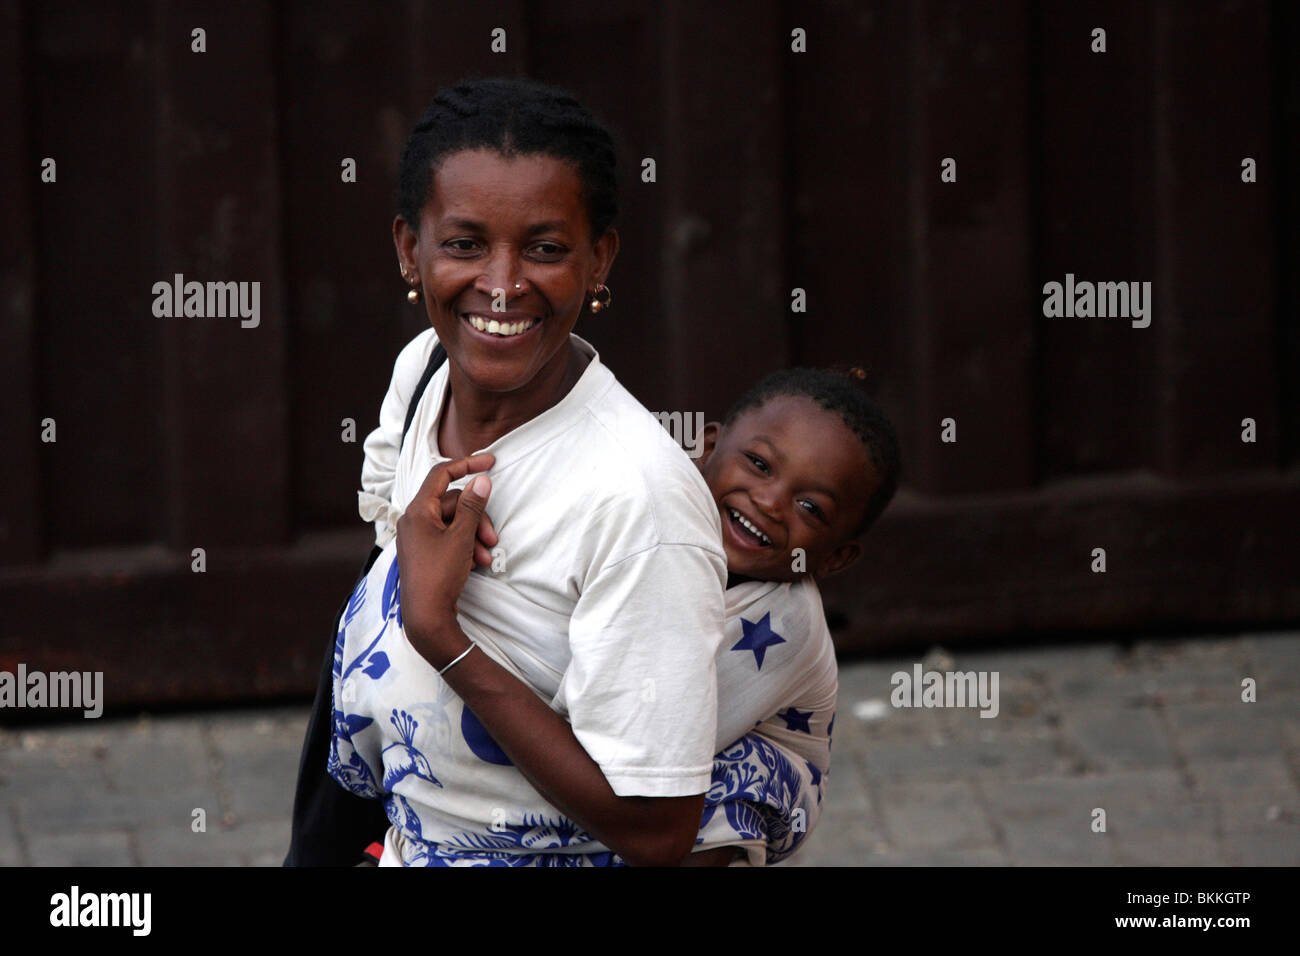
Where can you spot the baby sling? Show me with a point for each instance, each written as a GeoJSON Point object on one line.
{"type": "Point", "coordinates": [331, 826]}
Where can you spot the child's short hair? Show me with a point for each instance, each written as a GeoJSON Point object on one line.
{"type": "Point", "coordinates": [840, 392]}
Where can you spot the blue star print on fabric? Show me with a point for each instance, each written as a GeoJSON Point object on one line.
{"type": "Point", "coordinates": [796, 719]}
{"type": "Point", "coordinates": [816, 774]}
{"type": "Point", "coordinates": [758, 637]}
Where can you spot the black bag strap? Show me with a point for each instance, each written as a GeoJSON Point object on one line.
{"type": "Point", "coordinates": [435, 362]}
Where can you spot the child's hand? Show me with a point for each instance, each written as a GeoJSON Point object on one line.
{"type": "Point", "coordinates": [435, 555]}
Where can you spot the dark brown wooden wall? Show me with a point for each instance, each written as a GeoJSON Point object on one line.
{"type": "Point", "coordinates": [776, 170]}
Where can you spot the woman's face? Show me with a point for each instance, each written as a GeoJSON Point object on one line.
{"type": "Point", "coordinates": [506, 241]}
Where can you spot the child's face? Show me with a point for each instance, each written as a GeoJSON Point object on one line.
{"type": "Point", "coordinates": [798, 474]}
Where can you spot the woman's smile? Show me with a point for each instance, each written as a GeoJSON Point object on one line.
{"type": "Point", "coordinates": [503, 328]}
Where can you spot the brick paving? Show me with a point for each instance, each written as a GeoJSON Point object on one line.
{"type": "Point", "coordinates": [1155, 735]}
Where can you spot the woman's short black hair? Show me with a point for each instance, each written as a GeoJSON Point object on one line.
{"type": "Point", "coordinates": [514, 116]}
{"type": "Point", "coordinates": [841, 392]}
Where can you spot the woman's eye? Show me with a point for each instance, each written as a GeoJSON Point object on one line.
{"type": "Point", "coordinates": [460, 245]}
{"type": "Point", "coordinates": [549, 250]}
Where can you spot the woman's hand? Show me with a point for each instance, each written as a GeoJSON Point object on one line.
{"type": "Point", "coordinates": [434, 556]}
{"type": "Point", "coordinates": [486, 538]}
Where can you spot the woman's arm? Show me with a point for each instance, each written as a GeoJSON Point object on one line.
{"type": "Point", "coordinates": [644, 831]}
{"type": "Point", "coordinates": [653, 831]}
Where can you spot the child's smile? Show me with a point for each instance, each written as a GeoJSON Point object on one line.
{"type": "Point", "coordinates": [746, 532]}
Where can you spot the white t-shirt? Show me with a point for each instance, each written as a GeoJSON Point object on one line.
{"type": "Point", "coordinates": [606, 595]}
{"type": "Point", "coordinates": [776, 670]}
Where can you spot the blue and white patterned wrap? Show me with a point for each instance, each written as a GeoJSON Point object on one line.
{"type": "Point", "coordinates": [469, 806]}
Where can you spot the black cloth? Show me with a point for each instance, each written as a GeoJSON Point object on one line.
{"type": "Point", "coordinates": [332, 826]}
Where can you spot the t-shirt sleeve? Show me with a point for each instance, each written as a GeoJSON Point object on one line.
{"type": "Point", "coordinates": [641, 688]}
{"type": "Point", "coordinates": [382, 445]}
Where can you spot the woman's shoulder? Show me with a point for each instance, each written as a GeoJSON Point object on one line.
{"type": "Point", "coordinates": [632, 468]}
{"type": "Point", "coordinates": [411, 362]}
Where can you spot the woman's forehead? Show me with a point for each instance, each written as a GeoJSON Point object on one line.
{"type": "Point", "coordinates": [470, 182]}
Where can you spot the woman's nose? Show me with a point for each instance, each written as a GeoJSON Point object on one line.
{"type": "Point", "coordinates": [501, 272]}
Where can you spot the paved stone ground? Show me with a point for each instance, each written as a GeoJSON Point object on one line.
{"type": "Point", "coordinates": [1155, 735]}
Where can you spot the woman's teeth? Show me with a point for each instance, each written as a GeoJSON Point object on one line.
{"type": "Point", "coordinates": [493, 327]}
{"type": "Point", "coordinates": [749, 526]}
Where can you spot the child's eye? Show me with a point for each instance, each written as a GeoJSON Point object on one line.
{"type": "Point", "coordinates": [811, 507]}
{"type": "Point", "coordinates": [757, 462]}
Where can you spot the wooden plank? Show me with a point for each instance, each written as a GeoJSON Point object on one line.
{"type": "Point", "coordinates": [218, 195]}
{"type": "Point", "coordinates": [579, 46]}
{"type": "Point", "coordinates": [449, 42]}
{"type": "Point", "coordinates": [164, 635]}
{"type": "Point", "coordinates": [20, 534]}
{"type": "Point", "coordinates": [1098, 391]}
{"type": "Point", "coordinates": [1286, 137]}
{"type": "Point", "coordinates": [971, 308]}
{"type": "Point", "coordinates": [346, 303]}
{"type": "Point", "coordinates": [98, 344]}
{"type": "Point", "coordinates": [1213, 317]}
{"type": "Point", "coordinates": [1213, 555]}
{"type": "Point", "coordinates": [720, 180]}
{"type": "Point", "coordinates": [846, 160]}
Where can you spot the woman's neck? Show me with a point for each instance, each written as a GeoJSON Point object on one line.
{"type": "Point", "coordinates": [473, 419]}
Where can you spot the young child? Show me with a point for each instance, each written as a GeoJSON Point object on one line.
{"type": "Point", "coordinates": [801, 467]}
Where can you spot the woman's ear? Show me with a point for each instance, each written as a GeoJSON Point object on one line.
{"type": "Point", "coordinates": [606, 250]}
{"type": "Point", "coordinates": [845, 556]}
{"type": "Point", "coordinates": [708, 441]}
{"type": "Point", "coordinates": [405, 239]}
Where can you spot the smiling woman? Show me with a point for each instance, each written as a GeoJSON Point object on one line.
{"type": "Point", "coordinates": [532, 680]}
{"type": "Point", "coordinates": [504, 240]}
{"type": "Point", "coordinates": [614, 574]}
